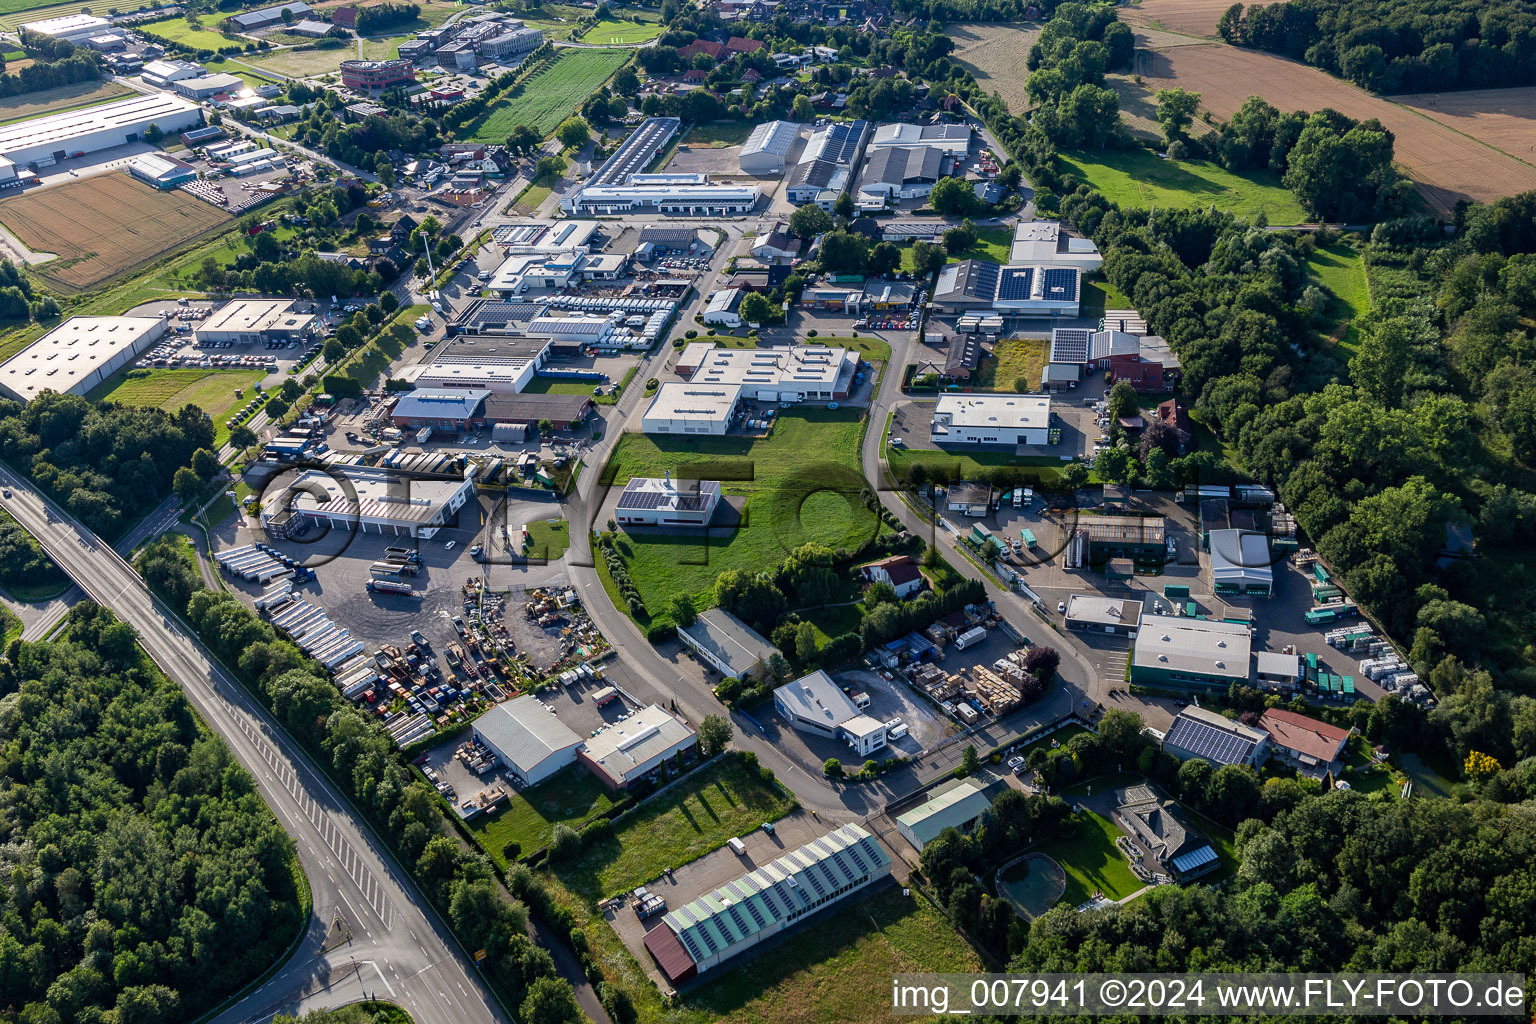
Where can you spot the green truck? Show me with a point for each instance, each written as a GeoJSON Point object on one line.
{"type": "Point", "coordinates": [1029, 539]}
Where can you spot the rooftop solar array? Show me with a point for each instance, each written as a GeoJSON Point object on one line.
{"type": "Point", "coordinates": [647, 493]}
{"type": "Point", "coordinates": [637, 151]}
{"type": "Point", "coordinates": [844, 141]}
{"type": "Point", "coordinates": [1210, 742]}
{"type": "Point", "coordinates": [1017, 283]}
{"type": "Point", "coordinates": [1070, 344]}
{"type": "Point", "coordinates": [1061, 284]}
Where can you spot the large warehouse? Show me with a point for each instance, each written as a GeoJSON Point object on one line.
{"type": "Point", "coordinates": [78, 354]}
{"type": "Point", "coordinates": [800, 373]}
{"type": "Point", "coordinates": [950, 139]}
{"type": "Point", "coordinates": [530, 741]}
{"type": "Point", "coordinates": [768, 145]}
{"type": "Point", "coordinates": [1241, 563]}
{"type": "Point", "coordinates": [45, 141]}
{"type": "Point", "coordinates": [692, 198]}
{"type": "Point", "coordinates": [628, 751]}
{"type": "Point", "coordinates": [692, 409]}
{"type": "Point", "coordinates": [815, 704]}
{"type": "Point", "coordinates": [368, 499]}
{"type": "Point", "coordinates": [762, 903]}
{"type": "Point", "coordinates": [992, 419]}
{"type": "Point", "coordinates": [972, 286]}
{"type": "Point", "coordinates": [1187, 653]}
{"type": "Point", "coordinates": [73, 28]}
{"type": "Point", "coordinates": [249, 321]}
{"type": "Point", "coordinates": [726, 644]}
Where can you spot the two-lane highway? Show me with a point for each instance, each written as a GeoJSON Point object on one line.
{"type": "Point", "coordinates": [398, 948]}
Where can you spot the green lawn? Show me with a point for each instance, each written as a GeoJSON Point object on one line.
{"type": "Point", "coordinates": [1340, 269]}
{"type": "Point", "coordinates": [718, 136]}
{"type": "Point", "coordinates": [1012, 359]}
{"type": "Point", "coordinates": [550, 537]}
{"type": "Point", "coordinates": [1092, 862]}
{"type": "Point", "coordinates": [302, 63]}
{"type": "Point", "coordinates": [611, 32]}
{"type": "Point", "coordinates": [557, 386]}
{"type": "Point", "coordinates": [550, 96]}
{"type": "Point", "coordinates": [212, 391]}
{"type": "Point", "coordinates": [834, 621]}
{"type": "Point", "coordinates": [721, 800]}
{"type": "Point", "coordinates": [801, 483]}
{"type": "Point", "coordinates": [1099, 295]}
{"type": "Point", "coordinates": [993, 244]}
{"type": "Point", "coordinates": [1138, 178]}
{"type": "Point", "coordinates": [202, 36]}
{"type": "Point", "coordinates": [11, 624]}
{"type": "Point", "coordinates": [60, 99]}
{"type": "Point", "coordinates": [572, 796]}
{"type": "Point", "coordinates": [966, 467]}
{"type": "Point", "coordinates": [532, 198]}
{"type": "Point", "coordinates": [835, 971]}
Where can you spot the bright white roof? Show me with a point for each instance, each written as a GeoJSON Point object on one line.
{"type": "Point", "coordinates": [677, 401]}
{"type": "Point", "coordinates": [73, 351]}
{"type": "Point", "coordinates": [771, 137]}
{"type": "Point", "coordinates": [1202, 646]}
{"type": "Point", "coordinates": [628, 745]}
{"type": "Point", "coordinates": [72, 124]}
{"type": "Point", "coordinates": [774, 367]}
{"type": "Point", "coordinates": [247, 315]}
{"type": "Point", "coordinates": [1006, 411]}
{"type": "Point", "coordinates": [69, 25]}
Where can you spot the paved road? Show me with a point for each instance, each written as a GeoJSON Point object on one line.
{"type": "Point", "coordinates": [398, 948]}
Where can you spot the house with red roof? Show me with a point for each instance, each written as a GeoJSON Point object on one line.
{"type": "Point", "coordinates": [1310, 746]}
{"type": "Point", "coordinates": [740, 44]}
{"type": "Point", "coordinates": [898, 570]}
{"type": "Point", "coordinates": [698, 46]}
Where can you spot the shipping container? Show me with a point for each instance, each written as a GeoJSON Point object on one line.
{"type": "Point", "coordinates": [1176, 590]}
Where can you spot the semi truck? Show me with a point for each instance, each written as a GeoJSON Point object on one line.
{"type": "Point", "coordinates": [389, 587]}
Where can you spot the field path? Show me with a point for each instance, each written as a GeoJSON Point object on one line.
{"type": "Point", "coordinates": [1447, 165]}
{"type": "Point", "coordinates": [1502, 118]}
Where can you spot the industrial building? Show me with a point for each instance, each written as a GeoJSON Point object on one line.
{"type": "Point", "coordinates": [1312, 747]}
{"type": "Point", "coordinates": [72, 28]}
{"type": "Point", "coordinates": [815, 704]}
{"type": "Point", "coordinates": [628, 751]}
{"type": "Point", "coordinates": [1043, 242]}
{"type": "Point", "coordinates": [1241, 563]}
{"type": "Point", "coordinates": [1114, 615]}
{"type": "Point", "coordinates": [948, 139]}
{"type": "Point", "coordinates": [992, 419]}
{"type": "Point", "coordinates": [564, 411]}
{"type": "Point", "coordinates": [1142, 538]}
{"type": "Point", "coordinates": [896, 173]}
{"type": "Point", "coordinates": [975, 286]}
{"type": "Point", "coordinates": [739, 915]}
{"type": "Point", "coordinates": [44, 141]}
{"type": "Point", "coordinates": [1162, 830]}
{"type": "Point", "coordinates": [692, 409]}
{"type": "Point", "coordinates": [726, 644]}
{"type": "Point", "coordinates": [375, 76]}
{"type": "Point", "coordinates": [161, 170]}
{"type": "Point", "coordinates": [698, 198]}
{"type": "Point", "coordinates": [78, 354]}
{"type": "Point", "coordinates": [207, 86]}
{"type": "Point", "coordinates": [798, 373]}
{"type": "Point", "coordinates": [657, 501]}
{"type": "Point", "coordinates": [366, 499]}
{"type": "Point", "coordinates": [530, 741]}
{"type": "Point", "coordinates": [565, 236]}
{"type": "Point", "coordinates": [957, 804]}
{"type": "Point", "coordinates": [636, 153]}
{"type": "Point", "coordinates": [1186, 653]}
{"type": "Point", "coordinates": [1199, 733]}
{"type": "Point", "coordinates": [723, 308]}
{"type": "Point", "coordinates": [265, 16]}
{"type": "Point", "coordinates": [497, 363]}
{"type": "Point", "coordinates": [442, 409]}
{"type": "Point", "coordinates": [826, 164]}
{"type": "Point", "coordinates": [249, 321]}
{"type": "Point", "coordinates": [767, 148]}
{"type": "Point", "coordinates": [161, 73]}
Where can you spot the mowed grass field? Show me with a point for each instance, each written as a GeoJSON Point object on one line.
{"type": "Point", "coordinates": [551, 95]}
{"type": "Point", "coordinates": [1447, 166]}
{"type": "Point", "coordinates": [1340, 269]}
{"type": "Point", "coordinates": [801, 483]}
{"type": "Point", "coordinates": [572, 797]}
{"type": "Point", "coordinates": [17, 12]}
{"type": "Point", "coordinates": [212, 391]}
{"type": "Point", "coordinates": [104, 225]}
{"type": "Point", "coordinates": [202, 36]}
{"type": "Point", "coordinates": [1137, 177]}
{"type": "Point", "coordinates": [302, 63]}
{"type": "Point", "coordinates": [1092, 862]}
{"type": "Point", "coordinates": [995, 55]}
{"type": "Point", "coordinates": [65, 97]}
{"type": "Point", "coordinates": [612, 32]}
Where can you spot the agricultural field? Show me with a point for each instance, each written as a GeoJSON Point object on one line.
{"type": "Point", "coordinates": [612, 32]}
{"type": "Point", "coordinates": [788, 497]}
{"type": "Point", "coordinates": [64, 97]}
{"type": "Point", "coordinates": [1447, 166]}
{"type": "Point", "coordinates": [104, 225]}
{"type": "Point", "coordinates": [17, 12]}
{"type": "Point", "coordinates": [202, 36]}
{"type": "Point", "coordinates": [1500, 118]}
{"type": "Point", "coordinates": [212, 391]}
{"type": "Point", "coordinates": [1188, 17]}
{"type": "Point", "coordinates": [550, 96]}
{"type": "Point", "coordinates": [995, 54]}
{"type": "Point", "coordinates": [1138, 178]}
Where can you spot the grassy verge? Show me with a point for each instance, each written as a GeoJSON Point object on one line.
{"type": "Point", "coordinates": [1092, 861]}
{"type": "Point", "coordinates": [1099, 296]}
{"type": "Point", "coordinates": [724, 799]}
{"type": "Point", "coordinates": [573, 796]}
{"type": "Point", "coordinates": [967, 466]}
{"type": "Point", "coordinates": [1138, 178]}
{"type": "Point", "coordinates": [11, 624]}
{"type": "Point", "coordinates": [1341, 270]}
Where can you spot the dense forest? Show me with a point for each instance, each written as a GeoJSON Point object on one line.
{"type": "Point", "coordinates": [23, 562]}
{"type": "Point", "coordinates": [1392, 46]}
{"type": "Point", "coordinates": [144, 880]}
{"type": "Point", "coordinates": [107, 464]}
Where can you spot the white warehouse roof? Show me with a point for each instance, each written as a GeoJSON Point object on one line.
{"type": "Point", "coordinates": [630, 747]}
{"type": "Point", "coordinates": [59, 129]}
{"type": "Point", "coordinates": [1024, 412]}
{"type": "Point", "coordinates": [69, 26]}
{"type": "Point", "coordinates": [771, 137]}
{"type": "Point", "coordinates": [70, 354]}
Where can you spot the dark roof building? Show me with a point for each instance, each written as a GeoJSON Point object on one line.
{"type": "Point", "coordinates": [529, 409]}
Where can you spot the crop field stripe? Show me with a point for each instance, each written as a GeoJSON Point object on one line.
{"type": "Point", "coordinates": [551, 95]}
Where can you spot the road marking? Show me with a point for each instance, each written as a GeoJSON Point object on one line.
{"type": "Point", "coordinates": [375, 966]}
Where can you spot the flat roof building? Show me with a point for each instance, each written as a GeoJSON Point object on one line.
{"type": "Point", "coordinates": [693, 199]}
{"type": "Point", "coordinates": [1114, 615]}
{"type": "Point", "coordinates": [1198, 733]}
{"type": "Point", "coordinates": [795, 374]}
{"type": "Point", "coordinates": [530, 741]}
{"type": "Point", "coordinates": [1142, 538]}
{"type": "Point", "coordinates": [206, 86]}
{"type": "Point", "coordinates": [692, 408]}
{"type": "Point", "coordinates": [1044, 242]}
{"type": "Point", "coordinates": [815, 704]}
{"type": "Point", "coordinates": [78, 354]}
{"type": "Point", "coordinates": [160, 170]}
{"type": "Point", "coordinates": [1183, 652]}
{"type": "Point", "coordinates": [657, 501]}
{"type": "Point", "coordinates": [957, 804]}
{"type": "Point", "coordinates": [739, 915]}
{"type": "Point", "coordinates": [248, 321]}
{"type": "Point", "coordinates": [727, 644]}
{"type": "Point", "coordinates": [635, 153]}
{"type": "Point", "coordinates": [992, 419]}
{"type": "Point", "coordinates": [950, 139]}
{"type": "Point", "coordinates": [367, 499]}
{"type": "Point", "coordinates": [768, 146]}
{"type": "Point", "coordinates": [973, 286]}
{"type": "Point", "coordinates": [46, 140]}
{"type": "Point", "coordinates": [73, 28]}
{"type": "Point", "coordinates": [628, 751]}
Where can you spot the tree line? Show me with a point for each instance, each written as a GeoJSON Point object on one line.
{"type": "Point", "coordinates": [1392, 46]}
{"type": "Point", "coordinates": [375, 17]}
{"type": "Point", "coordinates": [145, 878]}
{"type": "Point", "coordinates": [79, 66]}
{"type": "Point", "coordinates": [364, 761]}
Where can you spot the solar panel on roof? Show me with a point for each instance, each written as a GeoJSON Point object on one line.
{"type": "Point", "coordinates": [1070, 344]}
{"type": "Point", "coordinates": [853, 851]}
{"type": "Point", "coordinates": [985, 276]}
{"type": "Point", "coordinates": [693, 947]}
{"type": "Point", "coordinates": [843, 867]}
{"type": "Point", "coordinates": [1017, 282]}
{"type": "Point", "coordinates": [703, 932]}
{"type": "Point", "coordinates": [1060, 285]}
{"type": "Point", "coordinates": [756, 915]}
{"type": "Point", "coordinates": [1207, 741]}
{"type": "Point", "coordinates": [737, 920]}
